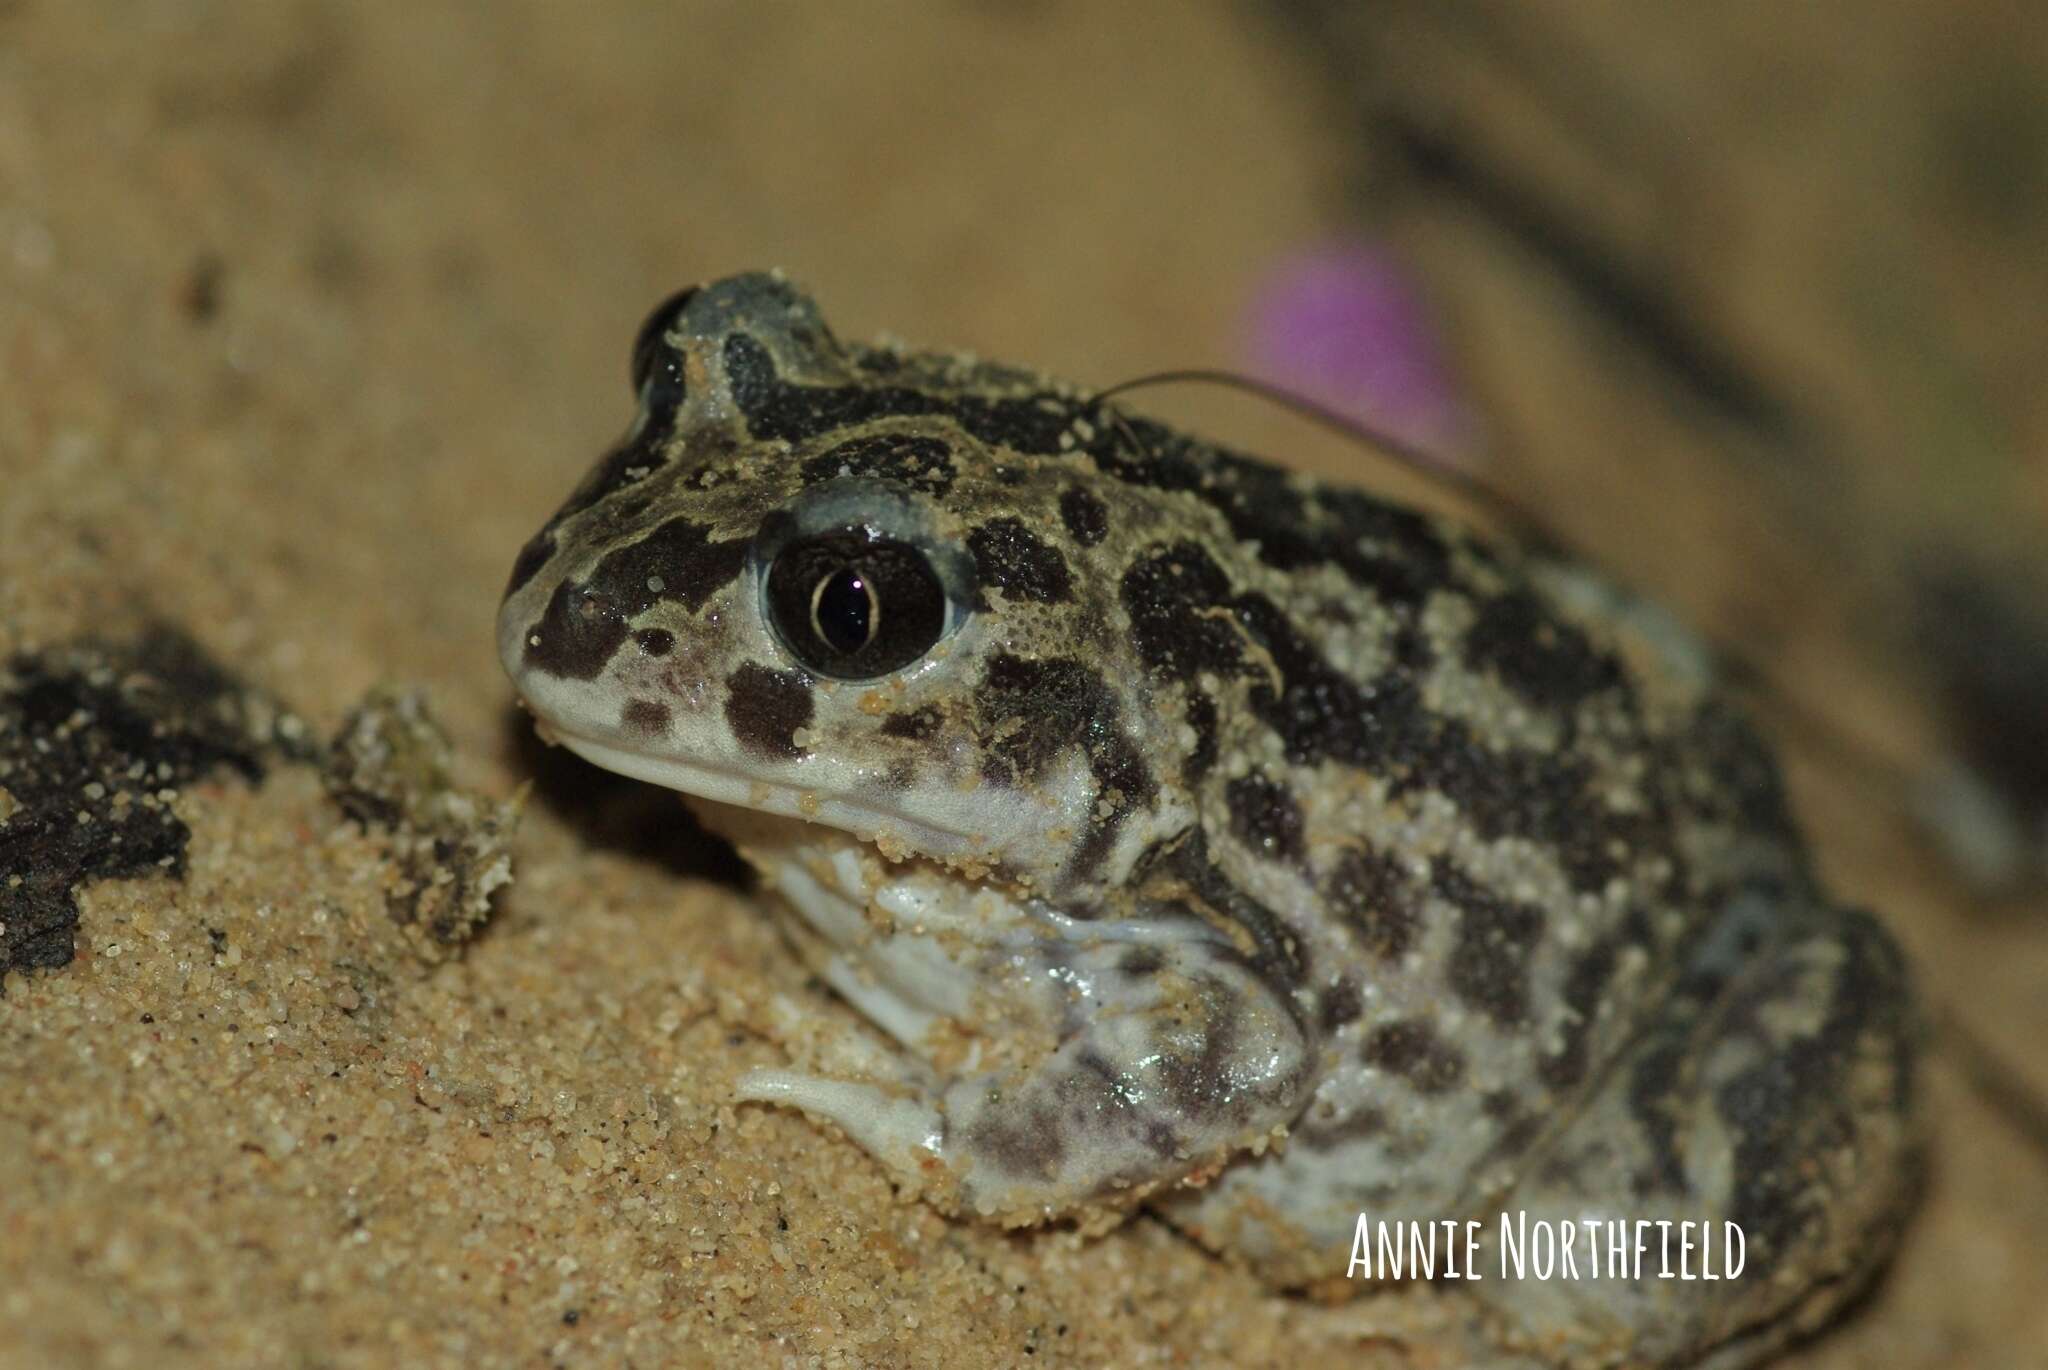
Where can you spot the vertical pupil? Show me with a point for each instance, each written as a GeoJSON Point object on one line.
{"type": "Point", "coordinates": [843, 610]}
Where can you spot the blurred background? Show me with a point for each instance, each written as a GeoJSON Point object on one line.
{"type": "Point", "coordinates": [1759, 292]}
{"type": "Point", "coordinates": [310, 312]}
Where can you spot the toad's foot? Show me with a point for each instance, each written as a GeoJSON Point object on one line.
{"type": "Point", "coordinates": [1130, 1101]}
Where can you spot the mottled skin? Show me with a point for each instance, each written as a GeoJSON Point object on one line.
{"type": "Point", "coordinates": [1245, 846]}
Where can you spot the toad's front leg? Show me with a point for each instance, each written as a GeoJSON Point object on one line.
{"type": "Point", "coordinates": [1172, 1054]}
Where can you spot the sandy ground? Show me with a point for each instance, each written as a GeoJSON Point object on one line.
{"type": "Point", "coordinates": [308, 315]}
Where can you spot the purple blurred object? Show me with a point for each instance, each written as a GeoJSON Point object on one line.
{"type": "Point", "coordinates": [1345, 326]}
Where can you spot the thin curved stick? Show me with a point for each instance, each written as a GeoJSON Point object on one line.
{"type": "Point", "coordinates": [1405, 454]}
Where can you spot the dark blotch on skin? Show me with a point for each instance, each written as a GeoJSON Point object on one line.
{"type": "Point", "coordinates": [917, 725]}
{"type": "Point", "coordinates": [795, 413]}
{"type": "Point", "coordinates": [690, 565]}
{"type": "Point", "coordinates": [1162, 1141]}
{"type": "Point", "coordinates": [1318, 711]}
{"type": "Point", "coordinates": [1489, 968]}
{"type": "Point", "coordinates": [1341, 1004]}
{"type": "Point", "coordinates": [655, 641]}
{"type": "Point", "coordinates": [531, 558]}
{"type": "Point", "coordinates": [1411, 1049]}
{"type": "Point", "coordinates": [1165, 594]}
{"type": "Point", "coordinates": [1518, 1126]}
{"type": "Point", "coordinates": [1141, 961]}
{"type": "Point", "coordinates": [1583, 987]}
{"type": "Point", "coordinates": [1546, 661]}
{"type": "Point", "coordinates": [576, 634]}
{"type": "Point", "coordinates": [585, 621]}
{"type": "Point", "coordinates": [1781, 1136]}
{"type": "Point", "coordinates": [1202, 718]}
{"type": "Point", "coordinates": [645, 716]}
{"type": "Point", "coordinates": [1086, 517]}
{"type": "Point", "coordinates": [922, 463]}
{"type": "Point", "coordinates": [1030, 1144]}
{"type": "Point", "coordinates": [1377, 899]}
{"type": "Point", "coordinates": [1398, 554]}
{"type": "Point", "coordinates": [1033, 710]}
{"type": "Point", "coordinates": [1009, 557]}
{"type": "Point", "coordinates": [1261, 505]}
{"type": "Point", "coordinates": [1265, 817]}
{"type": "Point", "coordinates": [1195, 1079]}
{"type": "Point", "coordinates": [1101, 1103]}
{"type": "Point", "coordinates": [765, 708]}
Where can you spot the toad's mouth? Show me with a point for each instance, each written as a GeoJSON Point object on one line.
{"type": "Point", "coordinates": [861, 809]}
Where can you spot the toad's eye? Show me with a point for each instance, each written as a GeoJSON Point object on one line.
{"type": "Point", "coordinates": [854, 606]}
{"type": "Point", "coordinates": [843, 610]}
